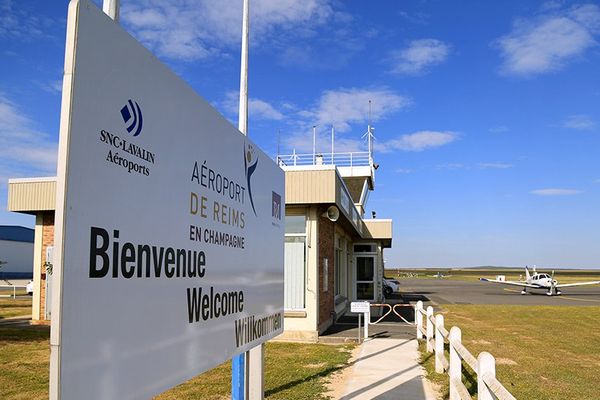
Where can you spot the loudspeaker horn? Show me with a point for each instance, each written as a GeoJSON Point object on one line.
{"type": "Point", "coordinates": [332, 213]}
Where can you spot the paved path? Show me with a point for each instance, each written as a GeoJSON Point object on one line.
{"type": "Point", "coordinates": [388, 369]}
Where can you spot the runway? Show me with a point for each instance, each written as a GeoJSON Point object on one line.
{"type": "Point", "coordinates": [447, 291]}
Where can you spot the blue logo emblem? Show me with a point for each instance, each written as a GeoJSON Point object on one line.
{"type": "Point", "coordinates": [132, 116]}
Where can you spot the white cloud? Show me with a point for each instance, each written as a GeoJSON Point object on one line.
{"type": "Point", "coordinates": [23, 149]}
{"type": "Point", "coordinates": [195, 29]}
{"type": "Point", "coordinates": [403, 170]}
{"type": "Point", "coordinates": [18, 21]}
{"type": "Point", "coordinates": [302, 142]}
{"type": "Point", "coordinates": [419, 56]}
{"type": "Point", "coordinates": [555, 192]}
{"type": "Point", "coordinates": [580, 121]}
{"type": "Point", "coordinates": [344, 107]}
{"type": "Point", "coordinates": [451, 166]}
{"type": "Point", "coordinates": [257, 109]}
{"type": "Point", "coordinates": [499, 129]}
{"type": "Point", "coordinates": [417, 141]}
{"type": "Point", "coordinates": [494, 165]}
{"type": "Point", "coordinates": [53, 86]}
{"type": "Point", "coordinates": [549, 41]}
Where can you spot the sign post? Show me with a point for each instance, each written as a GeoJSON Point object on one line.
{"type": "Point", "coordinates": [362, 307]}
{"type": "Point", "coordinates": [168, 252]}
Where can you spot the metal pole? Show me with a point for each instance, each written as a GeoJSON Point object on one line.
{"type": "Point", "coordinates": [367, 320]}
{"type": "Point", "coordinates": [111, 8]}
{"type": "Point", "coordinates": [314, 144]}
{"type": "Point", "coordinates": [243, 112]}
{"type": "Point", "coordinates": [359, 317]}
{"type": "Point", "coordinates": [332, 136]}
{"type": "Point", "coordinates": [246, 381]}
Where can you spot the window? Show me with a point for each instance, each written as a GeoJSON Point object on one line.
{"type": "Point", "coordinates": [325, 274]}
{"type": "Point", "coordinates": [365, 274]}
{"type": "Point", "coordinates": [338, 272]}
{"type": "Point", "coordinates": [295, 262]}
{"type": "Point", "coordinates": [295, 224]}
{"type": "Point", "coordinates": [365, 248]}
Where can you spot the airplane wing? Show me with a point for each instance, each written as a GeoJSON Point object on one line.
{"type": "Point", "coordinates": [578, 284]}
{"type": "Point", "coordinates": [513, 283]}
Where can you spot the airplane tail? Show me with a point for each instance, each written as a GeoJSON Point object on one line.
{"type": "Point", "coordinates": [527, 276]}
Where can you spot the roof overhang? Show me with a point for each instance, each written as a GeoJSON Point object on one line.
{"type": "Point", "coordinates": [324, 185]}
{"type": "Point", "coordinates": [32, 195]}
{"type": "Point", "coordinates": [379, 229]}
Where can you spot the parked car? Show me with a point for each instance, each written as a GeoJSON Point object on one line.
{"type": "Point", "coordinates": [29, 288]}
{"type": "Point", "coordinates": [390, 286]}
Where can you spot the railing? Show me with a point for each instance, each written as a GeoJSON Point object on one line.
{"type": "Point", "coordinates": [349, 159]}
{"type": "Point", "coordinates": [14, 290]}
{"type": "Point", "coordinates": [435, 336]}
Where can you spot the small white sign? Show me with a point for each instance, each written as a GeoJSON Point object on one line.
{"type": "Point", "coordinates": [360, 307]}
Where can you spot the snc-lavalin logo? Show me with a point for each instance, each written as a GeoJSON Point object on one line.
{"type": "Point", "coordinates": [132, 117]}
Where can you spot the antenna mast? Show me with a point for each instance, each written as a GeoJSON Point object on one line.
{"type": "Point", "coordinates": [369, 134]}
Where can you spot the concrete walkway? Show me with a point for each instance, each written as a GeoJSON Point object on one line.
{"type": "Point", "coordinates": [388, 369]}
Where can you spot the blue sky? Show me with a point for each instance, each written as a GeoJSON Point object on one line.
{"type": "Point", "coordinates": [487, 114]}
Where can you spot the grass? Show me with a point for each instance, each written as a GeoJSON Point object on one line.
{"type": "Point", "coordinates": [14, 307]}
{"type": "Point", "coordinates": [542, 352]}
{"type": "Point", "coordinates": [293, 370]}
{"type": "Point", "coordinates": [24, 359]}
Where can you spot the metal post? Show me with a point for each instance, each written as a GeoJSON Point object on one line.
{"type": "Point", "coordinates": [111, 8]}
{"type": "Point", "coordinates": [419, 319]}
{"type": "Point", "coordinates": [314, 144]}
{"type": "Point", "coordinates": [439, 344]}
{"type": "Point", "coordinates": [240, 377]}
{"type": "Point", "coordinates": [455, 368]}
{"type": "Point", "coordinates": [367, 320]}
{"type": "Point", "coordinates": [429, 329]}
{"type": "Point", "coordinates": [255, 372]}
{"type": "Point", "coordinates": [487, 366]}
{"type": "Point", "coordinates": [332, 138]}
{"type": "Point", "coordinates": [238, 386]}
{"type": "Point", "coordinates": [359, 318]}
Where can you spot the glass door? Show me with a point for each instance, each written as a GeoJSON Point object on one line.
{"type": "Point", "coordinates": [365, 275]}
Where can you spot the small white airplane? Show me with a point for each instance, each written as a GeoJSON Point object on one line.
{"type": "Point", "coordinates": [538, 281]}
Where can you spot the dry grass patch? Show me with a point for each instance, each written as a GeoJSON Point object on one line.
{"type": "Point", "coordinates": [293, 370]}
{"type": "Point", "coordinates": [559, 343]}
{"type": "Point", "coordinates": [15, 307]}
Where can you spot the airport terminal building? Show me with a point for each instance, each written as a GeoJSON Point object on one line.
{"type": "Point", "coordinates": [333, 254]}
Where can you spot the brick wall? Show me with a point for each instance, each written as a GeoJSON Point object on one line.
{"type": "Point", "coordinates": [326, 250]}
{"type": "Point", "coordinates": [47, 240]}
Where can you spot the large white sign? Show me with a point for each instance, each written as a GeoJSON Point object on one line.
{"type": "Point", "coordinates": [169, 230]}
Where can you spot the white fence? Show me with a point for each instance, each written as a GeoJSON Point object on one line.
{"type": "Point", "coordinates": [348, 159]}
{"type": "Point", "coordinates": [11, 288]}
{"type": "Point", "coordinates": [435, 335]}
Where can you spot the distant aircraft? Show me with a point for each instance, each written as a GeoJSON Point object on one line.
{"type": "Point", "coordinates": [440, 275]}
{"type": "Point", "coordinates": [538, 281]}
